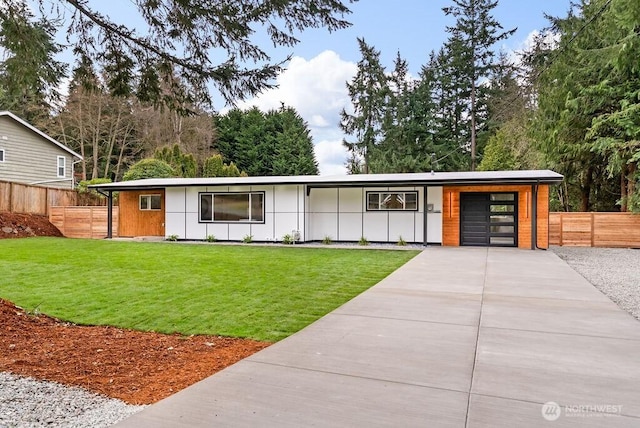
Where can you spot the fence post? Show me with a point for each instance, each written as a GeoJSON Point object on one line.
{"type": "Point", "coordinates": [560, 234]}
{"type": "Point", "coordinates": [593, 232]}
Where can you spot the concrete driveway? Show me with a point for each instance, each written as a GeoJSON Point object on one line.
{"type": "Point", "coordinates": [477, 337]}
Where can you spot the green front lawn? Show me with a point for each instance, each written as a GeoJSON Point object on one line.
{"type": "Point", "coordinates": [265, 293]}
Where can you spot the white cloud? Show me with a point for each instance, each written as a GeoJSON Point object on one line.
{"type": "Point", "coordinates": [331, 156]}
{"type": "Point", "coordinates": [316, 88]}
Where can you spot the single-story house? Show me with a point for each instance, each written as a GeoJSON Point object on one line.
{"type": "Point", "coordinates": [29, 156]}
{"type": "Point", "coordinates": [502, 208]}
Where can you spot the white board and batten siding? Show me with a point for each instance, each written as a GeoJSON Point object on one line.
{"type": "Point", "coordinates": [31, 159]}
{"type": "Point", "coordinates": [283, 213]}
{"type": "Point", "coordinates": [339, 213]}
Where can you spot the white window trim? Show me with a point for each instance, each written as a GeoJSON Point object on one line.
{"type": "Point", "coordinates": [3, 156]}
{"type": "Point", "coordinates": [64, 166]}
{"type": "Point", "coordinates": [148, 197]}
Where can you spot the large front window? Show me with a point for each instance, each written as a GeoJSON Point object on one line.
{"type": "Point", "coordinates": [232, 207]}
{"type": "Point", "coordinates": [392, 201]}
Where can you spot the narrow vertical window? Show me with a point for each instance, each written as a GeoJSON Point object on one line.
{"type": "Point", "coordinates": [1, 155]}
{"type": "Point", "coordinates": [62, 161]}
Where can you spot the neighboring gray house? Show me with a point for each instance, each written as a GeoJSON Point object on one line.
{"type": "Point", "coordinates": [28, 155]}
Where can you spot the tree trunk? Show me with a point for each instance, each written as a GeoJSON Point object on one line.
{"type": "Point", "coordinates": [473, 125]}
{"type": "Point", "coordinates": [585, 191]}
{"type": "Point", "coordinates": [623, 191]}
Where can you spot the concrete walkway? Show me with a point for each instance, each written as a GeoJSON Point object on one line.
{"type": "Point", "coordinates": [457, 337]}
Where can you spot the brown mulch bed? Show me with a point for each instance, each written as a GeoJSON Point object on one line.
{"type": "Point", "coordinates": [13, 225]}
{"type": "Point", "coordinates": [136, 367]}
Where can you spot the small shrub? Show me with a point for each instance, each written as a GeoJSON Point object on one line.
{"type": "Point", "coordinates": [172, 238]}
{"type": "Point", "coordinates": [210, 238]}
{"type": "Point", "coordinates": [247, 239]}
{"type": "Point", "coordinates": [327, 240]}
{"type": "Point", "coordinates": [149, 168]}
{"type": "Point", "coordinates": [401, 242]}
{"type": "Point", "coordinates": [363, 241]}
{"type": "Point", "coordinates": [287, 239]}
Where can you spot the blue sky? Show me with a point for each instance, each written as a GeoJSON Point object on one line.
{"type": "Point", "coordinates": [322, 63]}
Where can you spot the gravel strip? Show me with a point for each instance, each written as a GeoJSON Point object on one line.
{"type": "Point", "coordinates": [614, 271]}
{"type": "Point", "coordinates": [26, 402]}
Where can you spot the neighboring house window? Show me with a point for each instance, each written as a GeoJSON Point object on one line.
{"type": "Point", "coordinates": [232, 207]}
{"type": "Point", "coordinates": [1, 155]}
{"type": "Point", "coordinates": [392, 201]}
{"type": "Point", "coordinates": [150, 202]}
{"type": "Point", "coordinates": [62, 162]}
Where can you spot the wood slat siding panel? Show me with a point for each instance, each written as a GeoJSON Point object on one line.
{"type": "Point", "coordinates": [596, 229]}
{"type": "Point", "coordinates": [543, 216]}
{"type": "Point", "coordinates": [134, 222]}
{"type": "Point", "coordinates": [29, 158]}
{"type": "Point", "coordinates": [83, 222]}
{"type": "Point", "coordinates": [451, 212]}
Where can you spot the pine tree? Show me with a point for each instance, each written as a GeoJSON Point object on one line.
{"type": "Point", "coordinates": [204, 43]}
{"type": "Point", "coordinates": [29, 74]}
{"type": "Point", "coordinates": [470, 49]}
{"type": "Point", "coordinates": [368, 92]}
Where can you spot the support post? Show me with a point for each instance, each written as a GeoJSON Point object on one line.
{"type": "Point", "coordinates": [110, 215]}
{"type": "Point", "coordinates": [426, 213]}
{"type": "Point", "coordinates": [534, 216]}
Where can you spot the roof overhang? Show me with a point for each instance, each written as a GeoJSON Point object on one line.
{"type": "Point", "coordinates": [355, 180]}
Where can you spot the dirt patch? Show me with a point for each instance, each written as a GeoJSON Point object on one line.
{"type": "Point", "coordinates": [13, 225]}
{"type": "Point", "coordinates": [136, 367]}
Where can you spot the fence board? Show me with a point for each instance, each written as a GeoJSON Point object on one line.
{"type": "Point", "coordinates": [27, 199]}
{"type": "Point", "coordinates": [596, 229]}
{"type": "Point", "coordinates": [83, 222]}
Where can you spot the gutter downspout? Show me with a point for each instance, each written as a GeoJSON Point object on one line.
{"type": "Point", "coordinates": [109, 212]}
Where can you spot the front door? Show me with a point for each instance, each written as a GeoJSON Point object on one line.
{"type": "Point", "coordinates": [488, 219]}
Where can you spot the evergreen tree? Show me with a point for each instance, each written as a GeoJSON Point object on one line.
{"type": "Point", "coordinates": [368, 92]}
{"type": "Point", "coordinates": [470, 52]}
{"type": "Point", "coordinates": [214, 166]}
{"type": "Point", "coordinates": [187, 37]}
{"type": "Point", "coordinates": [29, 73]}
{"type": "Point", "coordinates": [274, 143]}
{"type": "Point", "coordinates": [587, 93]}
{"type": "Point", "coordinates": [184, 164]}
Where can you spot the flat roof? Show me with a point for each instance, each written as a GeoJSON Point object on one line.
{"type": "Point", "coordinates": [354, 180]}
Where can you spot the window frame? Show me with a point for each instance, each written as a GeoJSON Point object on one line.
{"type": "Point", "coordinates": [250, 201]}
{"type": "Point", "coordinates": [149, 197]}
{"type": "Point", "coordinates": [380, 209]}
{"type": "Point", "coordinates": [2, 156]}
{"type": "Point", "coordinates": [64, 166]}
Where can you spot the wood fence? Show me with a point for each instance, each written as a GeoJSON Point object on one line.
{"type": "Point", "coordinates": [83, 222]}
{"type": "Point", "coordinates": [596, 229]}
{"type": "Point", "coordinates": [27, 199]}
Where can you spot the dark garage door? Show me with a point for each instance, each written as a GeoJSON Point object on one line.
{"type": "Point", "coordinates": [489, 219]}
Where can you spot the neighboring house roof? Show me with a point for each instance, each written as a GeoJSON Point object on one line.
{"type": "Point", "coordinates": [40, 133]}
{"type": "Point", "coordinates": [407, 179]}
